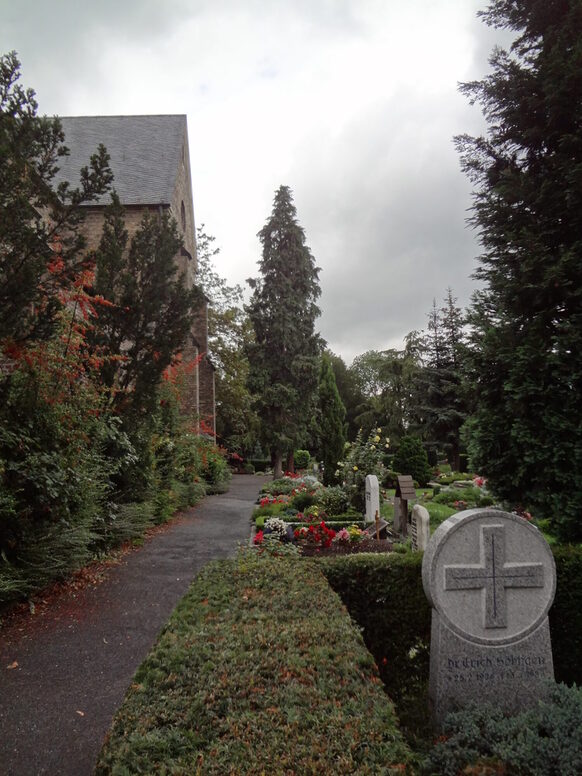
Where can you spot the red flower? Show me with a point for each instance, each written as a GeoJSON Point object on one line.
{"type": "Point", "coordinates": [258, 538]}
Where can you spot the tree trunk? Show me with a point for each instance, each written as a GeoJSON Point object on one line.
{"type": "Point", "coordinates": [277, 459]}
{"type": "Point", "coordinates": [291, 462]}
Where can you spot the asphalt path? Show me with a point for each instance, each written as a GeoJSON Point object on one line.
{"type": "Point", "coordinates": [62, 678]}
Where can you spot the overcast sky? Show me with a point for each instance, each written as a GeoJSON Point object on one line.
{"type": "Point", "coordinates": [351, 103]}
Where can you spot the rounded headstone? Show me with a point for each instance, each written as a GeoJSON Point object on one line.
{"type": "Point", "coordinates": [490, 575]}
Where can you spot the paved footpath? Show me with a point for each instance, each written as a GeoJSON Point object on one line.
{"type": "Point", "coordinates": [75, 666]}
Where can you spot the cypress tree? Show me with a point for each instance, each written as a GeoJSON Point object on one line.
{"type": "Point", "coordinates": [527, 319]}
{"type": "Point", "coordinates": [284, 358]}
{"type": "Point", "coordinates": [332, 425]}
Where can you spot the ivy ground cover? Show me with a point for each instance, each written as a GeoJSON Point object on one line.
{"type": "Point", "coordinates": [259, 670]}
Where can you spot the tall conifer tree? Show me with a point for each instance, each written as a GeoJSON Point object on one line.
{"type": "Point", "coordinates": [284, 359]}
{"type": "Point", "coordinates": [332, 425]}
{"type": "Point", "coordinates": [527, 320]}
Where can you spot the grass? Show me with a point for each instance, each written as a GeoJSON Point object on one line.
{"type": "Point", "coordinates": [259, 670]}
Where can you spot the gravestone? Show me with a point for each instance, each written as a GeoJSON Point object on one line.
{"type": "Point", "coordinates": [405, 492]}
{"type": "Point", "coordinates": [372, 498]}
{"type": "Point", "coordinates": [419, 528]}
{"type": "Point", "coordinates": [490, 578]}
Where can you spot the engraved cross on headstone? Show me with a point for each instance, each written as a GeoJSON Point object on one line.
{"type": "Point", "coordinates": [495, 575]}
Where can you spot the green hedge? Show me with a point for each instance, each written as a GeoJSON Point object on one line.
{"type": "Point", "coordinates": [384, 594]}
{"type": "Point", "coordinates": [566, 615]}
{"type": "Point", "coordinates": [259, 670]}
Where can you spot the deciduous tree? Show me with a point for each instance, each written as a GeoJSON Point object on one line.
{"type": "Point", "coordinates": [229, 333]}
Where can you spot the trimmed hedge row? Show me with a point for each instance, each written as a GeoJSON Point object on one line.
{"type": "Point", "coordinates": [384, 595]}
{"type": "Point", "coordinates": [259, 670]}
{"type": "Point", "coordinates": [566, 615]}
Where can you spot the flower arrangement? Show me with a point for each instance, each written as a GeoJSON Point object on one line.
{"type": "Point", "coordinates": [276, 527]}
{"type": "Point", "coordinates": [350, 534]}
{"type": "Point", "coordinates": [268, 500]}
{"type": "Point", "coordinates": [316, 534]}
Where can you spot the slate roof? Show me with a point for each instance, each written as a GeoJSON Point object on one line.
{"type": "Point", "coordinates": [145, 154]}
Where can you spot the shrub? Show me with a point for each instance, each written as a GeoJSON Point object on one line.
{"type": "Point", "coordinates": [333, 500]}
{"type": "Point", "coordinates": [393, 624]}
{"type": "Point", "coordinates": [280, 487]}
{"type": "Point", "coordinates": [470, 496]}
{"type": "Point", "coordinates": [411, 458]}
{"type": "Point", "coordinates": [362, 457]}
{"type": "Point", "coordinates": [543, 741]}
{"type": "Point", "coordinates": [301, 459]}
{"type": "Point", "coordinates": [390, 480]}
{"type": "Point", "coordinates": [566, 614]}
{"type": "Point", "coordinates": [241, 682]}
{"type": "Point", "coordinates": [303, 500]}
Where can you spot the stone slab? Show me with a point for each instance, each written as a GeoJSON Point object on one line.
{"type": "Point", "coordinates": [510, 675]}
{"type": "Point", "coordinates": [490, 577]}
{"type": "Point", "coordinates": [372, 497]}
{"type": "Point", "coordinates": [419, 528]}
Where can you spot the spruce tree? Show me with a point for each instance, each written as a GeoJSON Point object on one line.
{"type": "Point", "coordinates": [527, 319]}
{"type": "Point", "coordinates": [284, 358]}
{"type": "Point", "coordinates": [444, 407]}
{"type": "Point", "coordinates": [332, 425]}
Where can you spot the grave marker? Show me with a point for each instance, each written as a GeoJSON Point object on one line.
{"type": "Point", "coordinates": [419, 528]}
{"type": "Point", "coordinates": [490, 577]}
{"type": "Point", "coordinates": [405, 492]}
{"type": "Point", "coordinates": [372, 497]}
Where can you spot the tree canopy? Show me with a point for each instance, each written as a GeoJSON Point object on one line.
{"type": "Point", "coordinates": [527, 319]}
{"type": "Point", "coordinates": [284, 358]}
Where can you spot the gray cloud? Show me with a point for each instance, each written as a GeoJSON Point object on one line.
{"type": "Point", "coordinates": [352, 103]}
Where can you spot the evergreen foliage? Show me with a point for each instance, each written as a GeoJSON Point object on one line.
{"type": "Point", "coordinates": [284, 358]}
{"type": "Point", "coordinates": [443, 404]}
{"type": "Point", "coordinates": [332, 426]}
{"type": "Point", "coordinates": [527, 320]}
{"type": "Point", "coordinates": [411, 458]}
{"type": "Point", "coordinates": [150, 310]}
{"type": "Point", "coordinates": [40, 243]}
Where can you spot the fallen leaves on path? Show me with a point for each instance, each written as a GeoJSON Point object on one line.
{"type": "Point", "coordinates": [61, 600]}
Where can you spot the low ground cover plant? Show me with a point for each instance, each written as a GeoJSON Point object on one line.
{"type": "Point", "coordinates": [542, 741]}
{"type": "Point", "coordinates": [241, 682]}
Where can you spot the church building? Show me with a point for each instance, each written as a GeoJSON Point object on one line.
{"type": "Point", "coordinates": [150, 161]}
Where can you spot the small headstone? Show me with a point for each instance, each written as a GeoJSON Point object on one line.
{"type": "Point", "coordinates": [419, 528]}
{"type": "Point", "coordinates": [490, 577]}
{"type": "Point", "coordinates": [372, 498]}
